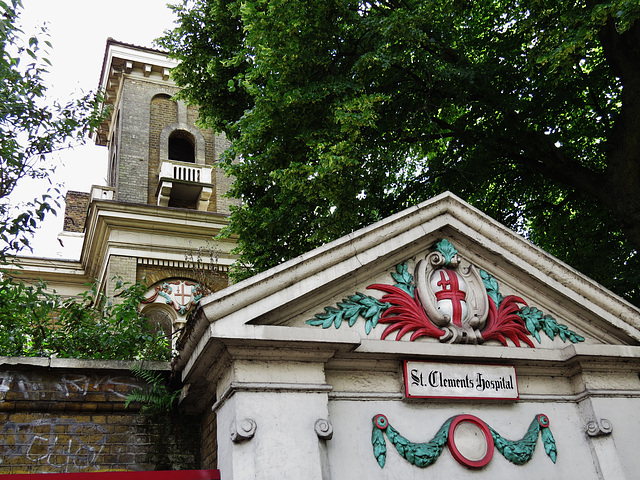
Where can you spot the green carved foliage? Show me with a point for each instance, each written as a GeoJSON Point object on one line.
{"type": "Point", "coordinates": [518, 451]}
{"type": "Point", "coordinates": [521, 451]}
{"type": "Point", "coordinates": [446, 248]}
{"type": "Point", "coordinates": [549, 443]}
{"type": "Point", "coordinates": [423, 455]}
{"type": "Point", "coordinates": [536, 321]}
{"type": "Point", "coordinates": [350, 309]}
{"type": "Point", "coordinates": [372, 309]}
{"type": "Point", "coordinates": [404, 279]}
{"type": "Point", "coordinates": [491, 285]}
{"type": "Point", "coordinates": [379, 445]}
{"type": "Point", "coordinates": [419, 454]}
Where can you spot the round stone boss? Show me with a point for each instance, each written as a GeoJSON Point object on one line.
{"type": "Point", "coordinates": [470, 441]}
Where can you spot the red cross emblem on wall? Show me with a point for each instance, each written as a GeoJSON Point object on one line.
{"type": "Point", "coordinates": [451, 291]}
{"type": "Point", "coordinates": [180, 293]}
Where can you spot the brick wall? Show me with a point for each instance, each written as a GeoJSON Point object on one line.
{"type": "Point", "coordinates": [145, 109]}
{"type": "Point", "coordinates": [71, 418]}
{"type": "Point", "coordinates": [209, 441]}
{"type": "Point", "coordinates": [120, 267]}
{"type": "Point", "coordinates": [164, 111]}
{"type": "Point", "coordinates": [134, 143]}
{"type": "Point", "coordinates": [75, 211]}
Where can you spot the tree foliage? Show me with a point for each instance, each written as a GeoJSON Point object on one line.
{"type": "Point", "coordinates": [342, 112]}
{"type": "Point", "coordinates": [39, 323]}
{"type": "Point", "coordinates": [31, 126]}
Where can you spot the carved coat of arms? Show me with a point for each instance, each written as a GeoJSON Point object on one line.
{"type": "Point", "coordinates": [448, 300]}
{"type": "Point", "coordinates": [182, 295]}
{"type": "Point", "coordinates": [454, 298]}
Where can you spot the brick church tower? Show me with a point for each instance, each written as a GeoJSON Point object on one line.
{"type": "Point", "coordinates": [157, 156]}
{"type": "Point", "coordinates": [163, 204]}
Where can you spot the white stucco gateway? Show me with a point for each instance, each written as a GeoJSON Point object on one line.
{"type": "Point", "coordinates": [433, 344]}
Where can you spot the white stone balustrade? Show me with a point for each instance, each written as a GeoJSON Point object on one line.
{"type": "Point", "coordinates": [173, 172]}
{"type": "Point", "coordinates": [188, 172]}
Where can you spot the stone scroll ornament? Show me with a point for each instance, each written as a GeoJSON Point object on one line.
{"type": "Point", "coordinates": [448, 301]}
{"type": "Point", "coordinates": [470, 440]}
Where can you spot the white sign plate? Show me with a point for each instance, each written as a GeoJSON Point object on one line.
{"type": "Point", "coordinates": [446, 380]}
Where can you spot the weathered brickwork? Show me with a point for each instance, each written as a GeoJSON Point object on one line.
{"type": "Point", "coordinates": [120, 268]}
{"type": "Point", "coordinates": [74, 420]}
{"type": "Point", "coordinates": [209, 440]}
{"type": "Point", "coordinates": [145, 109]}
{"type": "Point", "coordinates": [192, 115]}
{"type": "Point", "coordinates": [75, 211]}
{"type": "Point", "coordinates": [134, 143]}
{"type": "Point", "coordinates": [164, 111]}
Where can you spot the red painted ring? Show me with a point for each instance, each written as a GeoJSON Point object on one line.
{"type": "Point", "coordinates": [381, 421]}
{"type": "Point", "coordinates": [460, 458]}
{"type": "Point", "coordinates": [543, 420]}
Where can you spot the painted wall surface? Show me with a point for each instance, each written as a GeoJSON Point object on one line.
{"type": "Point", "coordinates": [73, 419]}
{"type": "Point", "coordinates": [284, 401]}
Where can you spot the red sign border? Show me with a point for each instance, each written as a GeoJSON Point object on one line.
{"type": "Point", "coordinates": [406, 383]}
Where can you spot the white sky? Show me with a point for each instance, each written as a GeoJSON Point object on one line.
{"type": "Point", "coordinates": [79, 30]}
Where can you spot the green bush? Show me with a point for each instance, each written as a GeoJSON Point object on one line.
{"type": "Point", "coordinates": [38, 323]}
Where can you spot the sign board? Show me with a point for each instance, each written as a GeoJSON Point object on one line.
{"type": "Point", "coordinates": [446, 380]}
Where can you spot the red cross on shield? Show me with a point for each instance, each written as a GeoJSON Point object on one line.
{"type": "Point", "coordinates": [450, 290]}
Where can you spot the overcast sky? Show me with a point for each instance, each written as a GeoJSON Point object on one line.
{"type": "Point", "coordinates": [79, 30]}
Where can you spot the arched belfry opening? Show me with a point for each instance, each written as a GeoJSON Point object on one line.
{"type": "Point", "coordinates": [184, 181]}
{"type": "Point", "coordinates": [182, 147]}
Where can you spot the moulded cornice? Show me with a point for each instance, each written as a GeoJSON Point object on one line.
{"type": "Point", "coordinates": [121, 59]}
{"type": "Point", "coordinates": [68, 277]}
{"type": "Point", "coordinates": [144, 231]}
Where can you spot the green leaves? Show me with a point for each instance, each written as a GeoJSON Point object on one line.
{"type": "Point", "coordinates": [446, 248]}
{"type": "Point", "coordinates": [535, 321]}
{"type": "Point", "coordinates": [31, 126]}
{"type": "Point", "coordinates": [425, 454]}
{"type": "Point", "coordinates": [419, 454]}
{"type": "Point", "coordinates": [491, 284]}
{"type": "Point", "coordinates": [155, 399]}
{"type": "Point", "coordinates": [350, 309]}
{"type": "Point", "coordinates": [549, 443]}
{"type": "Point", "coordinates": [379, 446]}
{"type": "Point", "coordinates": [39, 323]}
{"type": "Point", "coordinates": [404, 279]}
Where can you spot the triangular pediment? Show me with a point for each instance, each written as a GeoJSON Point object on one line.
{"type": "Point", "coordinates": [381, 284]}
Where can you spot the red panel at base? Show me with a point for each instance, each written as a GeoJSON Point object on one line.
{"type": "Point", "coordinates": [145, 475]}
